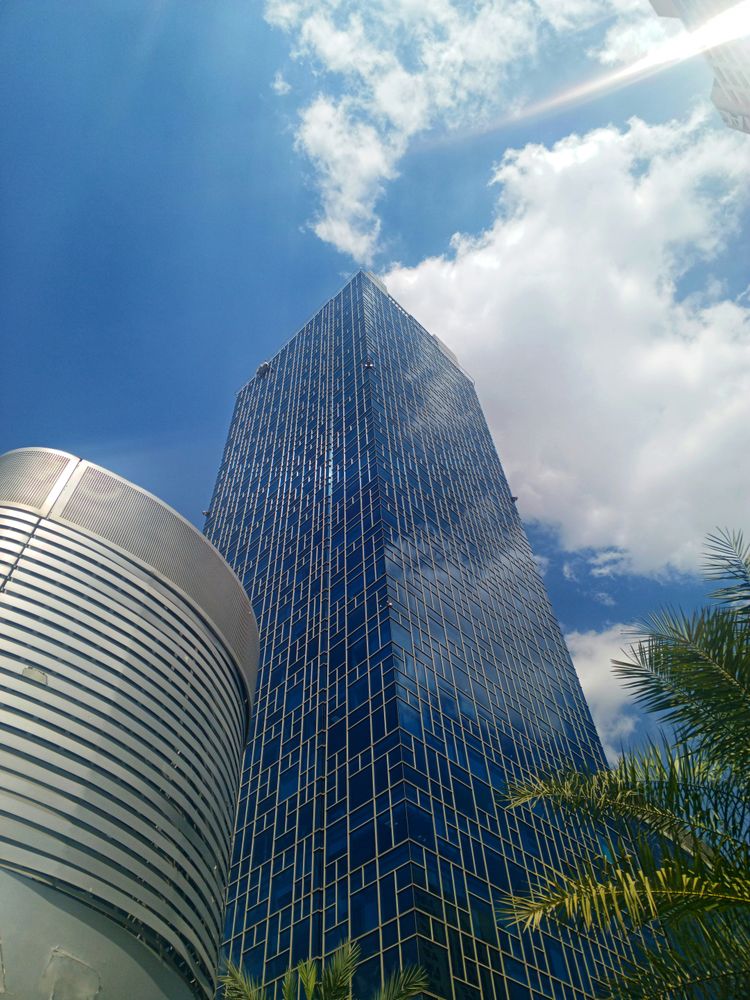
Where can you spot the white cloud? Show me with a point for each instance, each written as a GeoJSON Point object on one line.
{"type": "Point", "coordinates": [630, 27]}
{"type": "Point", "coordinates": [604, 598]}
{"type": "Point", "coordinates": [631, 37]}
{"type": "Point", "coordinates": [542, 563]}
{"type": "Point", "coordinates": [616, 716]}
{"type": "Point", "coordinates": [621, 409]}
{"type": "Point", "coordinates": [352, 161]}
{"type": "Point", "coordinates": [279, 85]}
{"type": "Point", "coordinates": [403, 67]}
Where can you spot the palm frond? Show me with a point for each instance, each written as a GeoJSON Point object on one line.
{"type": "Point", "coordinates": [289, 986]}
{"type": "Point", "coordinates": [625, 896]}
{"type": "Point", "coordinates": [673, 823]}
{"type": "Point", "coordinates": [700, 961]}
{"type": "Point", "coordinates": [308, 974]}
{"type": "Point", "coordinates": [695, 669]}
{"type": "Point", "coordinates": [238, 985]}
{"type": "Point", "coordinates": [336, 980]}
{"type": "Point", "coordinates": [404, 985]}
{"type": "Point", "coordinates": [728, 558]}
{"type": "Point", "coordinates": [677, 793]}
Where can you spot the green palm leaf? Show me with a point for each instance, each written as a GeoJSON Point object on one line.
{"type": "Point", "coordinates": [677, 793]}
{"type": "Point", "coordinates": [705, 962]}
{"type": "Point", "coordinates": [336, 981]}
{"type": "Point", "coordinates": [239, 986]}
{"type": "Point", "coordinates": [289, 986]}
{"type": "Point", "coordinates": [627, 896]}
{"type": "Point", "coordinates": [673, 822]}
{"type": "Point", "coordinates": [404, 985]}
{"type": "Point", "coordinates": [308, 974]}
{"type": "Point", "coordinates": [728, 558]}
{"type": "Point", "coordinates": [695, 669]}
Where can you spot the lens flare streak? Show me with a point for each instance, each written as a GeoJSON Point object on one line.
{"type": "Point", "coordinates": [729, 26]}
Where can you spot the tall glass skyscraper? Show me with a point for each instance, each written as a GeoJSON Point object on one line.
{"type": "Point", "coordinates": [410, 667]}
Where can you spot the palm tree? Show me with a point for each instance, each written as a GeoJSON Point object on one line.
{"type": "Point", "coordinates": [675, 872]}
{"type": "Point", "coordinates": [334, 982]}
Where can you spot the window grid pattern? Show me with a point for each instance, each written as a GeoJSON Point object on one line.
{"type": "Point", "coordinates": [410, 667]}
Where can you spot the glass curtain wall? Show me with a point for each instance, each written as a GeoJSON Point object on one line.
{"type": "Point", "coordinates": [410, 667]}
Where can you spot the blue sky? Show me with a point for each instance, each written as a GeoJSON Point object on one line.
{"type": "Point", "coordinates": [183, 183]}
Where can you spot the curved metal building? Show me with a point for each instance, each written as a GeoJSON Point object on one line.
{"type": "Point", "coordinates": [128, 653]}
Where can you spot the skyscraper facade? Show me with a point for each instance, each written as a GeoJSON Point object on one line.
{"type": "Point", "coordinates": [128, 654]}
{"type": "Point", "coordinates": [410, 667]}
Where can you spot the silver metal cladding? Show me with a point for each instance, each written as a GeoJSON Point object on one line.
{"type": "Point", "coordinates": [128, 653]}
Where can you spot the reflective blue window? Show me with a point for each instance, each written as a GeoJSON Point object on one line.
{"type": "Point", "coordinates": [411, 667]}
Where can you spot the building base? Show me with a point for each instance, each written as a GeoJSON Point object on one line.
{"type": "Point", "coordinates": [53, 947]}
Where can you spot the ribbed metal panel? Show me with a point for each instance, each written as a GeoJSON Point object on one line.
{"type": "Point", "coordinates": [124, 713]}
{"type": "Point", "coordinates": [134, 520]}
{"type": "Point", "coordinates": [131, 518]}
{"type": "Point", "coordinates": [28, 475]}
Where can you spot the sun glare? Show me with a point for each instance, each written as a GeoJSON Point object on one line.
{"type": "Point", "coordinates": [729, 26]}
